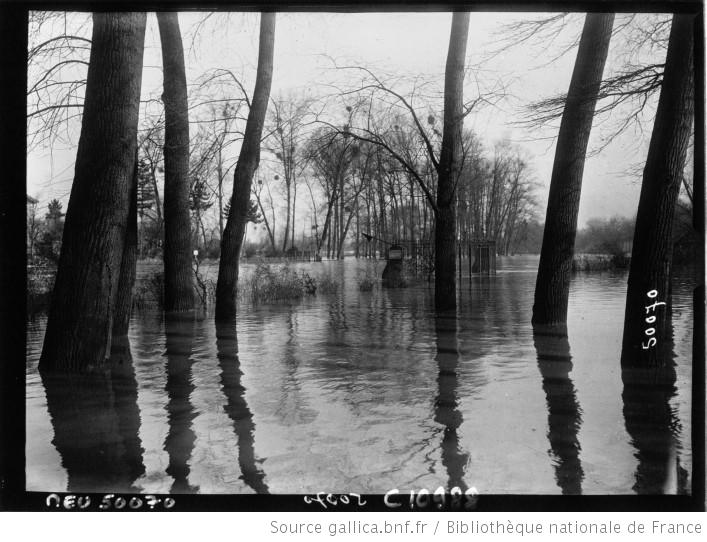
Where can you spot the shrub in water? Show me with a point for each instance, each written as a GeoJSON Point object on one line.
{"type": "Point", "coordinates": [275, 284]}
{"type": "Point", "coordinates": [327, 285]}
{"type": "Point", "coordinates": [369, 279]}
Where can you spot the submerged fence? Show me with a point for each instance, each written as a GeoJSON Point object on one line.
{"type": "Point", "coordinates": [474, 257]}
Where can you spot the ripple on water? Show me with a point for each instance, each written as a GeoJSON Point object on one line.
{"type": "Point", "coordinates": [367, 391]}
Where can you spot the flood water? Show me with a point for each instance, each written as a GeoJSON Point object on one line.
{"type": "Point", "coordinates": [370, 391]}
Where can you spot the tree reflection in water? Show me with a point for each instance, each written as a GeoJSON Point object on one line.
{"type": "Point", "coordinates": [179, 443]}
{"type": "Point", "coordinates": [236, 405]}
{"type": "Point", "coordinates": [652, 424]}
{"type": "Point", "coordinates": [447, 412]}
{"type": "Point", "coordinates": [96, 424]}
{"type": "Point", "coordinates": [564, 413]}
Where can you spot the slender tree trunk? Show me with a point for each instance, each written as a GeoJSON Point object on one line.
{"type": "Point", "coordinates": [340, 222]}
{"type": "Point", "coordinates": [248, 161]}
{"type": "Point", "coordinates": [271, 236]}
{"type": "Point", "coordinates": [287, 219]}
{"type": "Point", "coordinates": [449, 166]}
{"type": "Point", "coordinates": [178, 288]}
{"type": "Point", "coordinates": [340, 254]}
{"type": "Point", "coordinates": [553, 281]}
{"type": "Point", "coordinates": [358, 231]}
{"type": "Point", "coordinates": [124, 298]}
{"type": "Point", "coordinates": [219, 172]}
{"type": "Point", "coordinates": [294, 209]}
{"type": "Point", "coordinates": [325, 229]}
{"type": "Point", "coordinates": [80, 323]}
{"type": "Point", "coordinates": [158, 203]}
{"type": "Point", "coordinates": [646, 329]}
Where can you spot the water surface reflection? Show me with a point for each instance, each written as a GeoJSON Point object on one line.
{"type": "Point", "coordinates": [96, 422]}
{"type": "Point", "coordinates": [447, 412]}
{"type": "Point", "coordinates": [371, 391]}
{"type": "Point", "coordinates": [236, 405]}
{"type": "Point", "coordinates": [653, 425]}
{"type": "Point", "coordinates": [564, 413]}
{"type": "Point", "coordinates": [179, 444]}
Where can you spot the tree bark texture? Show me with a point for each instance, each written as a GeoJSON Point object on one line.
{"type": "Point", "coordinates": [80, 321]}
{"type": "Point", "coordinates": [553, 281]}
{"type": "Point", "coordinates": [248, 161]}
{"type": "Point", "coordinates": [178, 284]}
{"type": "Point", "coordinates": [652, 254]}
{"type": "Point", "coordinates": [450, 165]}
{"type": "Point", "coordinates": [124, 298]}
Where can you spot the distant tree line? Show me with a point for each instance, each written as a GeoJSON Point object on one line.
{"type": "Point", "coordinates": [388, 157]}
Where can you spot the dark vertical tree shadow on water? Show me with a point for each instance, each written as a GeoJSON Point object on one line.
{"type": "Point", "coordinates": [446, 411]}
{"type": "Point", "coordinates": [236, 406]}
{"type": "Point", "coordinates": [564, 413]}
{"type": "Point", "coordinates": [96, 424]}
{"type": "Point", "coordinates": [179, 444]}
{"type": "Point", "coordinates": [652, 423]}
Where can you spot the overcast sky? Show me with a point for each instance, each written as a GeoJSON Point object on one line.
{"type": "Point", "coordinates": [405, 43]}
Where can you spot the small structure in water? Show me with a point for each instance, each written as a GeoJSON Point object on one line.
{"type": "Point", "coordinates": [484, 252]}
{"type": "Point", "coordinates": [393, 272]}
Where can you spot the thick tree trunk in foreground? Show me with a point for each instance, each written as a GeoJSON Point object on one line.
{"type": "Point", "coordinates": [80, 321]}
{"type": "Point", "coordinates": [178, 287]}
{"type": "Point", "coordinates": [450, 166]}
{"type": "Point", "coordinates": [248, 161]}
{"type": "Point", "coordinates": [124, 297]}
{"type": "Point", "coordinates": [647, 317]}
{"type": "Point", "coordinates": [553, 281]}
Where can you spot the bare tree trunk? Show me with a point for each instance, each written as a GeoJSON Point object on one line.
{"type": "Point", "coordinates": [124, 298]}
{"type": "Point", "coordinates": [80, 324]}
{"type": "Point", "coordinates": [449, 166]}
{"type": "Point", "coordinates": [248, 161]}
{"type": "Point", "coordinates": [294, 209]}
{"type": "Point", "coordinates": [340, 222]}
{"type": "Point", "coordinates": [340, 253]}
{"type": "Point", "coordinates": [158, 203]}
{"type": "Point", "coordinates": [178, 288]}
{"type": "Point", "coordinates": [219, 172]}
{"type": "Point", "coordinates": [647, 317]}
{"type": "Point", "coordinates": [287, 219]}
{"type": "Point", "coordinates": [553, 281]}
{"type": "Point", "coordinates": [271, 236]}
{"type": "Point", "coordinates": [327, 223]}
